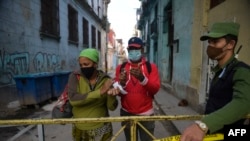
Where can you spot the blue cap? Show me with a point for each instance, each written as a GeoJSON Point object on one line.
{"type": "Point", "coordinates": [135, 42]}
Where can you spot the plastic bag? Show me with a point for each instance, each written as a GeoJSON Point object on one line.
{"type": "Point", "coordinates": [62, 108]}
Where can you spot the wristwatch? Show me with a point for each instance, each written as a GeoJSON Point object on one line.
{"type": "Point", "coordinates": [202, 126]}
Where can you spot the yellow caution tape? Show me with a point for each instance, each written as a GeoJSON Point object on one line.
{"type": "Point", "coordinates": [211, 137]}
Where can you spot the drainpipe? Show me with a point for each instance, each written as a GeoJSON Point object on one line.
{"type": "Point", "coordinates": [106, 56]}
{"type": "Point", "coordinates": [206, 5]}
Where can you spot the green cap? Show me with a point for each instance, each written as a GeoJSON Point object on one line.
{"type": "Point", "coordinates": [221, 29]}
{"type": "Point", "coordinates": [90, 53]}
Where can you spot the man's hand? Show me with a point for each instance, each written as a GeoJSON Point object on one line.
{"type": "Point", "coordinates": [193, 133]}
{"type": "Point", "coordinates": [106, 86]}
{"type": "Point", "coordinates": [123, 77]}
{"type": "Point", "coordinates": [136, 72]}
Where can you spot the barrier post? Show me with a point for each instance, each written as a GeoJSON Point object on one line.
{"type": "Point", "coordinates": [40, 129]}
{"type": "Point", "coordinates": [133, 132]}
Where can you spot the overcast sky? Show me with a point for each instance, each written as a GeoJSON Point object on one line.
{"type": "Point", "coordinates": [122, 16]}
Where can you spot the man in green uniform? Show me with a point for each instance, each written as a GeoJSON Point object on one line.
{"type": "Point", "coordinates": [229, 94]}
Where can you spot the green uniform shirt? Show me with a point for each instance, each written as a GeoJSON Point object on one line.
{"type": "Point", "coordinates": [236, 109]}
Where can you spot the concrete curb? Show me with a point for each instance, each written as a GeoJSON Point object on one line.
{"type": "Point", "coordinates": [168, 104]}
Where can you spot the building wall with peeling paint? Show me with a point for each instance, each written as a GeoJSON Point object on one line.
{"type": "Point", "coordinates": [189, 76]}
{"type": "Point", "coordinates": [24, 51]}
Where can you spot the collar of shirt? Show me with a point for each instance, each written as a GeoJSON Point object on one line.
{"type": "Point", "coordinates": [217, 68]}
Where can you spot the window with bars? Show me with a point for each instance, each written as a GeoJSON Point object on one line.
{"type": "Point", "coordinates": [50, 26]}
{"type": "Point", "coordinates": [85, 25]}
{"type": "Point", "coordinates": [99, 40]}
{"type": "Point", "coordinates": [93, 31]}
{"type": "Point", "coordinates": [73, 25]}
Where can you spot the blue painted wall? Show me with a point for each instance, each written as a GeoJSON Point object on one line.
{"type": "Point", "coordinates": [183, 19]}
{"type": "Point", "coordinates": [23, 50]}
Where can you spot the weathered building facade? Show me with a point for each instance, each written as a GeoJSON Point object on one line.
{"type": "Point", "coordinates": [111, 50]}
{"type": "Point", "coordinates": [171, 30]}
{"type": "Point", "coordinates": [48, 35]}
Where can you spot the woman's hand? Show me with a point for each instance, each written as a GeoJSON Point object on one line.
{"type": "Point", "coordinates": [113, 91]}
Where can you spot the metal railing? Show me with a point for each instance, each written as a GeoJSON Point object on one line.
{"type": "Point", "coordinates": [134, 120]}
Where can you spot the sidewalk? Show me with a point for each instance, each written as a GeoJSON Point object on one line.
{"type": "Point", "coordinates": [168, 103]}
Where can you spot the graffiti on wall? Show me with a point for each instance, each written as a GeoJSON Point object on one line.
{"type": "Point", "coordinates": [18, 63]}
{"type": "Point", "coordinates": [12, 64]}
{"type": "Point", "coordinates": [44, 62]}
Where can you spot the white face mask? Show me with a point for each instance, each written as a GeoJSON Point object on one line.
{"type": "Point", "coordinates": [134, 55]}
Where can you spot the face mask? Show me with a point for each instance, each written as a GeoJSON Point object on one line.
{"type": "Point", "coordinates": [134, 55]}
{"type": "Point", "coordinates": [213, 53]}
{"type": "Point", "coordinates": [88, 72]}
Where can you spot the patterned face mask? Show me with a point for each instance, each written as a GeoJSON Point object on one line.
{"type": "Point", "coordinates": [134, 55]}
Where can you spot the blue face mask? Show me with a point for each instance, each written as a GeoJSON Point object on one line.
{"type": "Point", "coordinates": [134, 55]}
